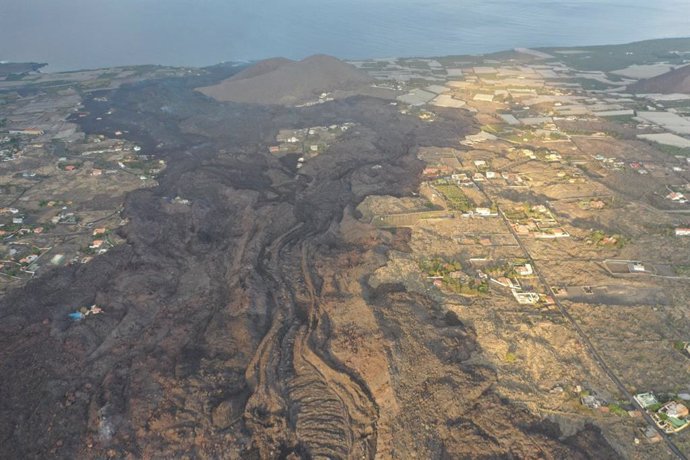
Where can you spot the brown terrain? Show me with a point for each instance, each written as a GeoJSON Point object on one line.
{"type": "Point", "coordinates": [285, 82]}
{"type": "Point", "coordinates": [247, 325]}
{"type": "Point", "coordinates": [675, 81]}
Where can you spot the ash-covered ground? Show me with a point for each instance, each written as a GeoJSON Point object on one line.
{"type": "Point", "coordinates": [242, 325]}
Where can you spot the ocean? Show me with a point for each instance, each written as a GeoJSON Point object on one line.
{"type": "Point", "coordinates": [76, 34]}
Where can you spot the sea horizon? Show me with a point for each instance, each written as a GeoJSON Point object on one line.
{"type": "Point", "coordinates": [191, 34]}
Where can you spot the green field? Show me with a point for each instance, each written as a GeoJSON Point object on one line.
{"type": "Point", "coordinates": [454, 196]}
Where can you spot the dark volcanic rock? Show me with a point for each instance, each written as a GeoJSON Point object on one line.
{"type": "Point", "coordinates": [214, 342]}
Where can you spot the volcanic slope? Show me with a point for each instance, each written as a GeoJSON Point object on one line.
{"type": "Point", "coordinates": [675, 81]}
{"type": "Point", "coordinates": [223, 333]}
{"type": "Point", "coordinates": [284, 82]}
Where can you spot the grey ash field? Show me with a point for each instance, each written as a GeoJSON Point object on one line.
{"type": "Point", "coordinates": [460, 257]}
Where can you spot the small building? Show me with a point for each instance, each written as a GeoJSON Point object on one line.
{"type": "Point", "coordinates": [526, 298]}
{"type": "Point", "coordinates": [96, 244]}
{"type": "Point", "coordinates": [685, 231]}
{"type": "Point", "coordinates": [483, 97]}
{"type": "Point", "coordinates": [484, 212]}
{"type": "Point", "coordinates": [651, 435]}
{"type": "Point", "coordinates": [591, 402]}
{"type": "Point", "coordinates": [97, 172]}
{"type": "Point", "coordinates": [646, 399]}
{"type": "Point", "coordinates": [437, 171]}
{"type": "Point", "coordinates": [27, 131]}
{"type": "Point", "coordinates": [99, 231]}
{"type": "Point", "coordinates": [675, 409]}
{"type": "Point", "coordinates": [524, 270]}
{"type": "Point", "coordinates": [28, 259]}
{"type": "Point", "coordinates": [636, 267]}
{"type": "Point", "coordinates": [676, 196]}
{"type": "Point", "coordinates": [57, 259]}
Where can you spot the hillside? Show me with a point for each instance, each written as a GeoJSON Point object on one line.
{"type": "Point", "coordinates": [18, 69]}
{"type": "Point", "coordinates": [607, 58]}
{"type": "Point", "coordinates": [675, 81]}
{"type": "Point", "coordinates": [284, 82]}
{"type": "Point", "coordinates": [260, 68]}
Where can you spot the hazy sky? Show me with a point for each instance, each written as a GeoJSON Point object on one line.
{"type": "Point", "coordinates": [73, 34]}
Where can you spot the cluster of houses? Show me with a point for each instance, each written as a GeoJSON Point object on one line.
{"type": "Point", "coordinates": [310, 141]}
{"type": "Point", "coordinates": [672, 416]}
{"type": "Point", "coordinates": [84, 312]}
{"type": "Point", "coordinates": [9, 148]}
{"type": "Point", "coordinates": [516, 289]}
{"type": "Point", "coordinates": [99, 243]}
{"type": "Point", "coordinates": [539, 223]}
{"type": "Point", "coordinates": [677, 197]}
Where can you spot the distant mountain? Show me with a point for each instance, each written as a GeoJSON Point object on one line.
{"type": "Point", "coordinates": [18, 69]}
{"type": "Point", "coordinates": [675, 81]}
{"type": "Point", "coordinates": [285, 82]}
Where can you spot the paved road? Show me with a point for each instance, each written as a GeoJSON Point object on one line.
{"type": "Point", "coordinates": [592, 349]}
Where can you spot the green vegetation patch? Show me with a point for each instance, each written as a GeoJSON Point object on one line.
{"type": "Point", "coordinates": [469, 288]}
{"type": "Point", "coordinates": [15, 77]}
{"type": "Point", "coordinates": [439, 267]}
{"type": "Point", "coordinates": [622, 119]}
{"type": "Point", "coordinates": [617, 410]}
{"type": "Point", "coordinates": [654, 407]}
{"type": "Point", "coordinates": [679, 345]}
{"type": "Point", "coordinates": [671, 150]}
{"type": "Point", "coordinates": [454, 196]}
{"type": "Point", "coordinates": [453, 278]}
{"type": "Point", "coordinates": [524, 212]}
{"type": "Point", "coordinates": [500, 269]}
{"type": "Point", "coordinates": [590, 84]}
{"type": "Point", "coordinates": [613, 57]}
{"type": "Point", "coordinates": [682, 270]}
{"type": "Point", "coordinates": [601, 239]}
